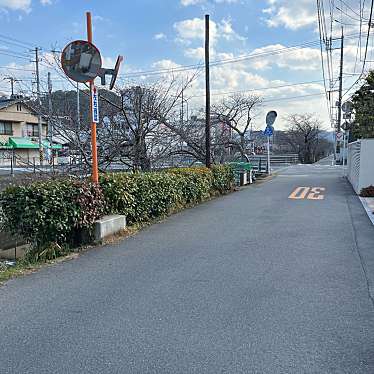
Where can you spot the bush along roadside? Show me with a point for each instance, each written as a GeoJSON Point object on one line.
{"type": "Point", "coordinates": [49, 215]}
{"type": "Point", "coordinates": [367, 192]}
{"type": "Point", "coordinates": [52, 215]}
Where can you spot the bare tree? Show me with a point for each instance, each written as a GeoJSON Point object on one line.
{"type": "Point", "coordinates": [235, 115]}
{"type": "Point", "coordinates": [133, 127]}
{"type": "Point", "coordinates": [304, 135]}
{"type": "Point", "coordinates": [145, 112]}
{"type": "Point", "coordinates": [231, 124]}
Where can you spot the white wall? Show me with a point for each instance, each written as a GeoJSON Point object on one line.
{"type": "Point", "coordinates": [367, 163]}
{"type": "Point", "coordinates": [361, 164]}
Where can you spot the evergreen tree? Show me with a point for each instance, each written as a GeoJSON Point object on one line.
{"type": "Point", "coordinates": [363, 104]}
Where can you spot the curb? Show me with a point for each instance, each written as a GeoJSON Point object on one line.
{"type": "Point", "coordinates": [368, 210]}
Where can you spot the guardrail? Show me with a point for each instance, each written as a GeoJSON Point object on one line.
{"type": "Point", "coordinates": [260, 162]}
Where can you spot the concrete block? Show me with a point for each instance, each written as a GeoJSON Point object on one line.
{"type": "Point", "coordinates": [8, 241]}
{"type": "Point", "coordinates": [14, 253]}
{"type": "Point", "coordinates": [11, 246]}
{"type": "Point", "coordinates": [109, 225]}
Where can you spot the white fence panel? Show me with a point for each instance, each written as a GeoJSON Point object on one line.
{"type": "Point", "coordinates": [353, 162]}
{"type": "Point", "coordinates": [361, 164]}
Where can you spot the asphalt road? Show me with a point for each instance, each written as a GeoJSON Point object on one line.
{"type": "Point", "coordinates": [254, 282]}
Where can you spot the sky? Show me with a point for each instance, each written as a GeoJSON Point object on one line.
{"type": "Point", "coordinates": [153, 35]}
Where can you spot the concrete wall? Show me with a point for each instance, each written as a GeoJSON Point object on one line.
{"type": "Point", "coordinates": [19, 118]}
{"type": "Point", "coordinates": [361, 164]}
{"type": "Point", "coordinates": [23, 157]}
{"type": "Point", "coordinates": [8, 243]}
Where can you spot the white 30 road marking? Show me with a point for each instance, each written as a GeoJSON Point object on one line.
{"type": "Point", "coordinates": [311, 193]}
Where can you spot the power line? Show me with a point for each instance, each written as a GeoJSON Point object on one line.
{"type": "Point", "coordinates": [293, 97]}
{"type": "Point", "coordinates": [20, 56]}
{"type": "Point", "coordinates": [26, 44]}
{"type": "Point", "coordinates": [260, 89]}
{"type": "Point", "coordinates": [14, 44]}
{"type": "Point", "coordinates": [366, 48]}
{"type": "Point", "coordinates": [350, 8]}
{"type": "Point", "coordinates": [322, 60]}
{"type": "Point", "coordinates": [181, 68]}
{"type": "Point", "coordinates": [368, 35]}
{"type": "Point", "coordinates": [19, 69]}
{"type": "Point", "coordinates": [348, 15]}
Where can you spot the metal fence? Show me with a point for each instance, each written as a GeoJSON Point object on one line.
{"type": "Point", "coordinates": [260, 162]}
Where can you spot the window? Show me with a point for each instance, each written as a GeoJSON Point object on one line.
{"type": "Point", "coordinates": [6, 128]}
{"type": "Point", "coordinates": [19, 107]}
{"type": "Point", "coordinates": [32, 130]}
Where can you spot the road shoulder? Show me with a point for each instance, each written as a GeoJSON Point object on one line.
{"type": "Point", "coordinates": [363, 234]}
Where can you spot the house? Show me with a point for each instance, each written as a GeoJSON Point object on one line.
{"type": "Point", "coordinates": [19, 133]}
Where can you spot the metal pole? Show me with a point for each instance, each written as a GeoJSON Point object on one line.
{"type": "Point", "coordinates": [340, 88]}
{"type": "Point", "coordinates": [95, 171]}
{"type": "Point", "coordinates": [11, 164]}
{"type": "Point", "coordinates": [345, 154]}
{"type": "Point", "coordinates": [50, 128]}
{"type": "Point", "coordinates": [346, 147]}
{"type": "Point", "coordinates": [78, 110]}
{"type": "Point", "coordinates": [79, 129]}
{"type": "Point", "coordinates": [207, 93]}
{"type": "Point", "coordinates": [269, 168]}
{"type": "Point", "coordinates": [40, 127]}
{"type": "Point", "coordinates": [50, 122]}
{"type": "Point", "coordinates": [182, 114]}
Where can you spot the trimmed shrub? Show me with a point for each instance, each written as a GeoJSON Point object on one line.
{"type": "Point", "coordinates": [51, 212]}
{"type": "Point", "coordinates": [367, 192]}
{"type": "Point", "coordinates": [119, 192]}
{"type": "Point", "coordinates": [194, 184]}
{"type": "Point", "coordinates": [223, 178]}
{"type": "Point", "coordinates": [142, 197]}
{"type": "Point", "coordinates": [51, 215]}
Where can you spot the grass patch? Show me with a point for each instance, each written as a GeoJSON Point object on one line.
{"type": "Point", "coordinates": [21, 268]}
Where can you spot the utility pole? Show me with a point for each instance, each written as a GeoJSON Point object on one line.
{"type": "Point", "coordinates": [50, 124]}
{"type": "Point", "coordinates": [12, 80]}
{"type": "Point", "coordinates": [340, 89]}
{"type": "Point", "coordinates": [207, 93]}
{"type": "Point", "coordinates": [40, 127]}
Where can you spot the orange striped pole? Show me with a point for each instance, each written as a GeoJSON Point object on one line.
{"type": "Point", "coordinates": [95, 171]}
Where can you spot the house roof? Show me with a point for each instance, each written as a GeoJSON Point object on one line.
{"type": "Point", "coordinates": [5, 104]}
{"type": "Point", "coordinates": [9, 102]}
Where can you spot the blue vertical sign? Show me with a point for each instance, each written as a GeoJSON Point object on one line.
{"type": "Point", "coordinates": [95, 105]}
{"type": "Point", "coordinates": [268, 131]}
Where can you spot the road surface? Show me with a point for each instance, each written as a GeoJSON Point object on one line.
{"type": "Point", "coordinates": [254, 282]}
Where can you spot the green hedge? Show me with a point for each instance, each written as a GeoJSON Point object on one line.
{"type": "Point", "coordinates": [142, 197]}
{"type": "Point", "coordinates": [51, 212]}
{"type": "Point", "coordinates": [56, 211]}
